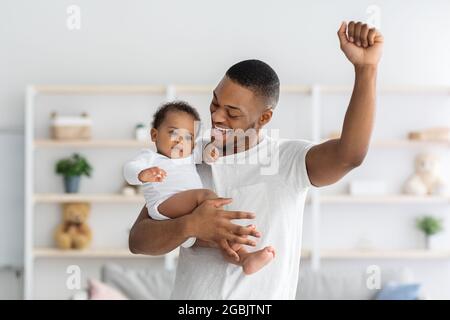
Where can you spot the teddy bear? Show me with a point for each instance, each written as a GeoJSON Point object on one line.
{"type": "Point", "coordinates": [74, 232]}
{"type": "Point", "coordinates": [426, 179]}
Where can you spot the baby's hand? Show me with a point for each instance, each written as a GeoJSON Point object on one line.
{"type": "Point", "coordinates": [153, 174]}
{"type": "Point", "coordinates": [210, 153]}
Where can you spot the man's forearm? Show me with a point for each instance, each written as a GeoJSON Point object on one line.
{"type": "Point", "coordinates": [156, 237]}
{"type": "Point", "coordinates": [360, 116]}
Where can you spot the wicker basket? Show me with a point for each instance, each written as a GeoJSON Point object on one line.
{"type": "Point", "coordinates": [71, 128]}
{"type": "Point", "coordinates": [71, 132]}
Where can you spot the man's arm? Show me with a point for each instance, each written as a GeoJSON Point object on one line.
{"type": "Point", "coordinates": [208, 222]}
{"type": "Point", "coordinates": [328, 162]}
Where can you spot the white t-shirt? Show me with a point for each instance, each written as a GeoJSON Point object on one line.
{"type": "Point", "coordinates": [273, 184]}
{"type": "Point", "coordinates": [181, 176]}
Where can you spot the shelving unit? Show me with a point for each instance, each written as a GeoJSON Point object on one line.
{"type": "Point", "coordinates": [316, 200]}
{"type": "Point", "coordinates": [389, 199]}
{"type": "Point", "coordinates": [95, 198]}
{"type": "Point", "coordinates": [47, 143]}
{"type": "Point", "coordinates": [32, 199]}
{"type": "Point", "coordinates": [385, 254]}
{"type": "Point", "coordinates": [89, 253]}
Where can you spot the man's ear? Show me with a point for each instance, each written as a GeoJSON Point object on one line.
{"type": "Point", "coordinates": [153, 134]}
{"type": "Point", "coordinates": [265, 117]}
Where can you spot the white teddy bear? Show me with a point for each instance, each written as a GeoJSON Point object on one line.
{"type": "Point", "coordinates": [426, 180]}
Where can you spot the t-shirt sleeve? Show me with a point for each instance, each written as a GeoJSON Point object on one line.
{"type": "Point", "coordinates": [132, 168]}
{"type": "Point", "coordinates": [294, 163]}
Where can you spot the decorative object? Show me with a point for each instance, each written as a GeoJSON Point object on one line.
{"type": "Point", "coordinates": [72, 169]}
{"type": "Point", "coordinates": [399, 291]}
{"type": "Point", "coordinates": [74, 232]}
{"type": "Point", "coordinates": [431, 134]}
{"type": "Point", "coordinates": [129, 190]}
{"type": "Point", "coordinates": [367, 188]}
{"type": "Point", "coordinates": [334, 135]}
{"type": "Point", "coordinates": [364, 243]}
{"type": "Point", "coordinates": [430, 226]}
{"type": "Point", "coordinates": [98, 290]}
{"type": "Point", "coordinates": [142, 132]}
{"type": "Point", "coordinates": [426, 179]}
{"type": "Point", "coordinates": [71, 127]}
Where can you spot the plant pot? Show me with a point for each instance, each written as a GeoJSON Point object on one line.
{"type": "Point", "coordinates": [72, 184]}
{"type": "Point", "coordinates": [427, 242]}
{"type": "Point", "coordinates": [435, 242]}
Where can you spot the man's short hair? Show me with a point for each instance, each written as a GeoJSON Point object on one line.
{"type": "Point", "coordinates": [259, 77]}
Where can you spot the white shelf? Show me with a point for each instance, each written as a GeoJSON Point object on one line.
{"type": "Point", "coordinates": [405, 143]}
{"type": "Point", "coordinates": [407, 90]}
{"type": "Point", "coordinates": [160, 89]}
{"type": "Point", "coordinates": [89, 253]}
{"type": "Point", "coordinates": [383, 254]}
{"type": "Point", "coordinates": [331, 199]}
{"type": "Point", "coordinates": [93, 198]}
{"type": "Point", "coordinates": [100, 89]}
{"type": "Point", "coordinates": [389, 199]}
{"type": "Point", "coordinates": [130, 143]}
{"type": "Point", "coordinates": [106, 143]}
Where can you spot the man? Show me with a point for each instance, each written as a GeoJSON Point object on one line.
{"type": "Point", "coordinates": [245, 99]}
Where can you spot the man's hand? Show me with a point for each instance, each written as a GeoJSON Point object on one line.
{"type": "Point", "coordinates": [209, 222]}
{"type": "Point", "coordinates": [153, 174]}
{"type": "Point", "coordinates": [362, 45]}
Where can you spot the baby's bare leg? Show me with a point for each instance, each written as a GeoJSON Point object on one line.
{"type": "Point", "coordinates": [184, 202]}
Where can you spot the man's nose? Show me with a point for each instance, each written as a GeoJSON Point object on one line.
{"type": "Point", "coordinates": [218, 116]}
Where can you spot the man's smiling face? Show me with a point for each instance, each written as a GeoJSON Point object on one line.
{"type": "Point", "coordinates": [235, 107]}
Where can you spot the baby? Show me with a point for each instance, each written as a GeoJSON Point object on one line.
{"type": "Point", "coordinates": [169, 179]}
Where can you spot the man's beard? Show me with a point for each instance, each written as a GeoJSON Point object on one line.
{"type": "Point", "coordinates": [238, 141]}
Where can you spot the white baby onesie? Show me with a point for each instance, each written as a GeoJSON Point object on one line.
{"type": "Point", "coordinates": [181, 176]}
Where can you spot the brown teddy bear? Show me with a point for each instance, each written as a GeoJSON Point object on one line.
{"type": "Point", "coordinates": [74, 232]}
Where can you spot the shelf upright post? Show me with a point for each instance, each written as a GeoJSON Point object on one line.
{"type": "Point", "coordinates": [29, 189]}
{"type": "Point", "coordinates": [315, 194]}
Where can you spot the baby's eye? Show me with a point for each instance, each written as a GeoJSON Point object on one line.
{"type": "Point", "coordinates": [189, 138]}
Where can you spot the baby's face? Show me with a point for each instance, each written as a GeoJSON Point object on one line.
{"type": "Point", "coordinates": [175, 136]}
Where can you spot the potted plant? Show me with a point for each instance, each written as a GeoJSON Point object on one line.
{"type": "Point", "coordinates": [72, 169]}
{"type": "Point", "coordinates": [430, 226]}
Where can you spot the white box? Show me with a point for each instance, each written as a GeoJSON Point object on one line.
{"type": "Point", "coordinates": [368, 188]}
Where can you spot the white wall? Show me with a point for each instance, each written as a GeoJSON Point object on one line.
{"type": "Point", "coordinates": [194, 42]}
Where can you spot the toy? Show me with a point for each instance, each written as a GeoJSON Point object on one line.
{"type": "Point", "coordinates": [74, 232]}
{"type": "Point", "coordinates": [130, 190]}
{"type": "Point", "coordinates": [426, 180]}
{"type": "Point", "coordinates": [431, 134]}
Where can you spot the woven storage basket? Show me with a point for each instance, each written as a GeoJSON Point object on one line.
{"type": "Point", "coordinates": [71, 128]}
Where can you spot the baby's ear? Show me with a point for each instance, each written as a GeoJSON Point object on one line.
{"type": "Point", "coordinates": [153, 134]}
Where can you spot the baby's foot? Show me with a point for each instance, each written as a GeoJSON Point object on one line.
{"type": "Point", "coordinates": [258, 259]}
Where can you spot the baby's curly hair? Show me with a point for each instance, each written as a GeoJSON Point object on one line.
{"type": "Point", "coordinates": [176, 106]}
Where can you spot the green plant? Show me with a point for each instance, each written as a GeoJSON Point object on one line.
{"type": "Point", "coordinates": [75, 165]}
{"type": "Point", "coordinates": [430, 225]}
